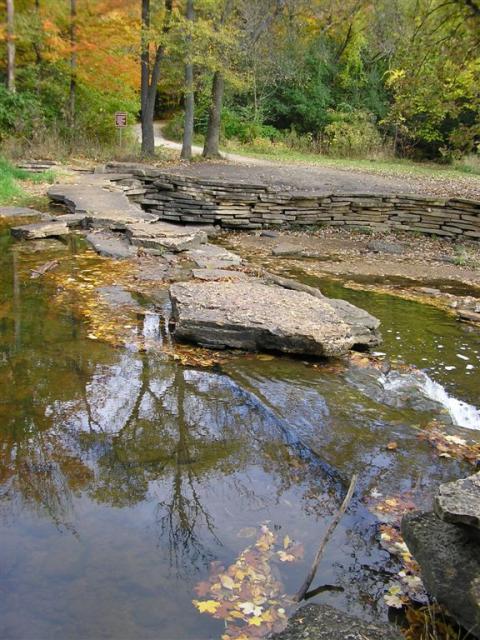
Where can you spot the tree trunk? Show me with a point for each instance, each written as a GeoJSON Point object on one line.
{"type": "Point", "coordinates": [148, 135]}
{"type": "Point", "coordinates": [189, 93]}
{"type": "Point", "coordinates": [36, 44]}
{"type": "Point", "coordinates": [150, 76]}
{"type": "Point", "coordinates": [212, 140]}
{"type": "Point", "coordinates": [11, 46]}
{"type": "Point", "coordinates": [73, 62]}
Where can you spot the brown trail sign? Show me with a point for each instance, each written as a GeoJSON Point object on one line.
{"type": "Point", "coordinates": [120, 119]}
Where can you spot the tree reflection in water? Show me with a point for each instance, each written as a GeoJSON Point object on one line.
{"type": "Point", "coordinates": [136, 428]}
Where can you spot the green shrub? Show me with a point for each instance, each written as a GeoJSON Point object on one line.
{"type": "Point", "coordinates": [243, 124]}
{"type": "Point", "coordinates": [351, 134]}
{"type": "Point", "coordinates": [21, 114]}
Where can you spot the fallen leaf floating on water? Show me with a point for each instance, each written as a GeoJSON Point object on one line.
{"type": "Point", "coordinates": [392, 508]}
{"type": "Point", "coordinates": [207, 606]}
{"type": "Point", "coordinates": [247, 595]}
{"type": "Point", "coordinates": [407, 586]}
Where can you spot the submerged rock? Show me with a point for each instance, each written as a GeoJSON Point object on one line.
{"type": "Point", "coordinates": [255, 316]}
{"type": "Point", "coordinates": [322, 622]}
{"type": "Point", "coordinates": [449, 558]}
{"type": "Point", "coordinates": [111, 245]}
{"type": "Point", "coordinates": [459, 502]}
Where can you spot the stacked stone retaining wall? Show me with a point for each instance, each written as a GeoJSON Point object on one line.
{"type": "Point", "coordinates": [235, 205]}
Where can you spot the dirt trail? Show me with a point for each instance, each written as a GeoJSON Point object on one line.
{"type": "Point", "coordinates": [161, 141]}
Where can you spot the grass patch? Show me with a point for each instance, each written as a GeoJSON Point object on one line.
{"type": "Point", "coordinates": [394, 166]}
{"type": "Point", "coordinates": [465, 257]}
{"type": "Point", "coordinates": [12, 192]}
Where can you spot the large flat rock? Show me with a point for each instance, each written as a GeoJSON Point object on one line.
{"type": "Point", "coordinates": [110, 245]}
{"type": "Point", "coordinates": [211, 256]}
{"type": "Point", "coordinates": [459, 502]}
{"type": "Point", "coordinates": [40, 230]}
{"type": "Point", "coordinates": [255, 316]}
{"type": "Point", "coordinates": [162, 235]}
{"type": "Point", "coordinates": [322, 622]}
{"type": "Point", "coordinates": [449, 557]}
{"type": "Point", "coordinates": [213, 275]}
{"type": "Point", "coordinates": [101, 205]}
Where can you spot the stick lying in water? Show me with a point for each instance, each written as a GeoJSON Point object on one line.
{"type": "Point", "coordinates": [40, 271]}
{"type": "Point", "coordinates": [300, 595]}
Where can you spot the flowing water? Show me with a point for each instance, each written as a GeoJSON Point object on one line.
{"type": "Point", "coordinates": [124, 475]}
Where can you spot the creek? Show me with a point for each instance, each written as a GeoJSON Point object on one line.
{"type": "Point", "coordinates": [124, 475]}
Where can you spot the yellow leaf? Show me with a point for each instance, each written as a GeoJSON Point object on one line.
{"type": "Point", "coordinates": [267, 616]}
{"type": "Point", "coordinates": [206, 606]}
{"type": "Point", "coordinates": [255, 621]}
{"type": "Point", "coordinates": [286, 542]}
{"type": "Point", "coordinates": [237, 614]}
{"type": "Point", "coordinates": [286, 557]}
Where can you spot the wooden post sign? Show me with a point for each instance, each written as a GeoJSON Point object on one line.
{"type": "Point", "coordinates": [120, 119]}
{"type": "Point", "coordinates": [120, 123]}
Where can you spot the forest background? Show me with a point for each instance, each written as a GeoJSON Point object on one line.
{"type": "Point", "coordinates": [343, 78]}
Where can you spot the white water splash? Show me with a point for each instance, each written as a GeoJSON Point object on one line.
{"type": "Point", "coordinates": [462, 414]}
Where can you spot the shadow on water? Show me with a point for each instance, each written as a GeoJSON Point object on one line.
{"type": "Point", "coordinates": [123, 475]}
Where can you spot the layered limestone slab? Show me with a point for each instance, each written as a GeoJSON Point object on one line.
{"type": "Point", "coordinates": [100, 205]}
{"type": "Point", "coordinates": [110, 245]}
{"type": "Point", "coordinates": [40, 230]}
{"type": "Point", "coordinates": [211, 256]}
{"type": "Point", "coordinates": [162, 235]}
{"type": "Point", "coordinates": [255, 316]}
{"type": "Point", "coordinates": [210, 275]}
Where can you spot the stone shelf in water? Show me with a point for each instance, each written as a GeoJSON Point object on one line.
{"type": "Point", "coordinates": [38, 230]}
{"type": "Point", "coordinates": [166, 236]}
{"type": "Point", "coordinates": [254, 316]}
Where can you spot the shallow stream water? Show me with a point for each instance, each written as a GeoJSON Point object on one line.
{"type": "Point", "coordinates": [124, 475]}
